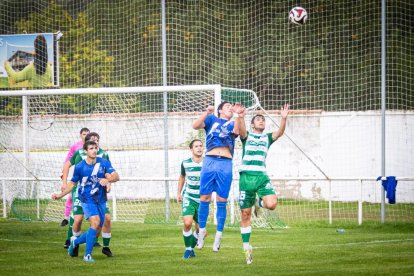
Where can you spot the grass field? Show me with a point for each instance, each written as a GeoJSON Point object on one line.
{"type": "Point", "coordinates": [36, 248]}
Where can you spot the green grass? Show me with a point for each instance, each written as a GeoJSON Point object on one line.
{"type": "Point", "coordinates": [35, 248]}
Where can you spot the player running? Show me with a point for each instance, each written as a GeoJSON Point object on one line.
{"type": "Point", "coordinates": [93, 178]}
{"type": "Point", "coordinates": [77, 211]}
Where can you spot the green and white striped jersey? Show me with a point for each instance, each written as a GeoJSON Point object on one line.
{"type": "Point", "coordinates": [191, 170]}
{"type": "Point", "coordinates": [255, 147]}
{"type": "Point", "coordinates": [80, 155]}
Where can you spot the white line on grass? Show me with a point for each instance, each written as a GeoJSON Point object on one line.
{"type": "Point", "coordinates": [226, 246]}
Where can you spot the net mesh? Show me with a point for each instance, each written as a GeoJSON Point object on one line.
{"type": "Point", "coordinates": [328, 70]}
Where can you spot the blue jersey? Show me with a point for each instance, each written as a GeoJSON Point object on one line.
{"type": "Point", "coordinates": [87, 177]}
{"type": "Point", "coordinates": [219, 133]}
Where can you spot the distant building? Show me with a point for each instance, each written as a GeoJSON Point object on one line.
{"type": "Point", "coordinates": [20, 59]}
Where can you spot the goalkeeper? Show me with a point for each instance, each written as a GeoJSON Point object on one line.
{"type": "Point", "coordinates": [253, 176]}
{"type": "Point", "coordinates": [188, 193]}
{"type": "Point", "coordinates": [75, 147]}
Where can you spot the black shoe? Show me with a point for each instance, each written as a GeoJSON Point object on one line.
{"type": "Point", "coordinates": [75, 251]}
{"type": "Point", "coordinates": [107, 251]}
{"type": "Point", "coordinates": [97, 244]}
{"type": "Point", "coordinates": [64, 222]}
{"type": "Point", "coordinates": [66, 245]}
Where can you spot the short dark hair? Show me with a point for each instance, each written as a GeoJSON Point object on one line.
{"type": "Point", "coordinates": [84, 129]}
{"type": "Point", "coordinates": [192, 142]}
{"type": "Point", "coordinates": [88, 143]}
{"type": "Point", "coordinates": [220, 107]}
{"type": "Point", "coordinates": [91, 134]}
{"type": "Point", "coordinates": [257, 115]}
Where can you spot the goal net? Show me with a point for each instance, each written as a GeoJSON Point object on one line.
{"type": "Point", "coordinates": [328, 70]}
{"type": "Point", "coordinates": [146, 142]}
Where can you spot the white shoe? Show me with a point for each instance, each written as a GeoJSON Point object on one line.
{"type": "Point", "coordinates": [216, 245]}
{"type": "Point", "coordinates": [249, 255]}
{"type": "Point", "coordinates": [200, 242]}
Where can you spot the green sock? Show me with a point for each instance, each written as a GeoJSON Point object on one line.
{"type": "Point", "coordinates": [96, 239]}
{"type": "Point", "coordinates": [106, 238]}
{"type": "Point", "coordinates": [70, 233]}
{"type": "Point", "coordinates": [194, 241]}
{"type": "Point", "coordinates": [245, 233]}
{"type": "Point", "coordinates": [188, 237]}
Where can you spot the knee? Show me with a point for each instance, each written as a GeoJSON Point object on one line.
{"type": "Point", "coordinates": [187, 227]}
{"type": "Point", "coordinates": [272, 205]}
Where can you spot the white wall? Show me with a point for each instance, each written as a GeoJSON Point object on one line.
{"type": "Point", "coordinates": [342, 144]}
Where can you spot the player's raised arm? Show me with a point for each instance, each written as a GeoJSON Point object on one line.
{"type": "Point", "coordinates": [239, 123]}
{"type": "Point", "coordinates": [199, 123]}
{"type": "Point", "coordinates": [284, 111]}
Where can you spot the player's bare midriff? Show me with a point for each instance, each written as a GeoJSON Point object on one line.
{"type": "Point", "coordinates": [220, 151]}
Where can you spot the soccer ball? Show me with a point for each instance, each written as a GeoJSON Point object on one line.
{"type": "Point", "coordinates": [298, 15]}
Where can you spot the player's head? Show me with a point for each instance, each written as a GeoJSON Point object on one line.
{"type": "Point", "coordinates": [225, 110]}
{"type": "Point", "coordinates": [92, 136]}
{"type": "Point", "coordinates": [83, 132]}
{"type": "Point", "coordinates": [41, 56]}
{"type": "Point", "coordinates": [197, 147]}
{"type": "Point", "coordinates": [91, 148]}
{"type": "Point", "coordinates": [258, 122]}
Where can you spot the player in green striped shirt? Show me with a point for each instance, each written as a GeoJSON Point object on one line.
{"type": "Point", "coordinates": [189, 194]}
{"type": "Point", "coordinates": [253, 175]}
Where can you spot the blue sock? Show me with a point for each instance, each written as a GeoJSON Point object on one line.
{"type": "Point", "coordinates": [203, 213]}
{"type": "Point", "coordinates": [81, 239]}
{"type": "Point", "coordinates": [90, 240]}
{"type": "Point", "coordinates": [221, 215]}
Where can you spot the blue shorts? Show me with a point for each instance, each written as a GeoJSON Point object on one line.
{"type": "Point", "coordinates": [95, 209]}
{"type": "Point", "coordinates": [216, 176]}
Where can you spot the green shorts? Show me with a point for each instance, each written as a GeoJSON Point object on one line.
{"type": "Point", "coordinates": [249, 185]}
{"type": "Point", "coordinates": [190, 208]}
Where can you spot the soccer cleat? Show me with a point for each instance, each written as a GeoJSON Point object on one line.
{"type": "Point", "coordinates": [88, 258]}
{"type": "Point", "coordinates": [66, 245]}
{"type": "Point", "coordinates": [97, 244]}
{"type": "Point", "coordinates": [64, 222]}
{"type": "Point", "coordinates": [71, 246]}
{"type": "Point", "coordinates": [216, 245]}
{"type": "Point", "coordinates": [75, 251]}
{"type": "Point", "coordinates": [249, 255]}
{"type": "Point", "coordinates": [107, 251]}
{"type": "Point", "coordinates": [188, 254]}
{"type": "Point", "coordinates": [200, 242]}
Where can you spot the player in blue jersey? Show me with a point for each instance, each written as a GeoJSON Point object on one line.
{"type": "Point", "coordinates": [217, 172]}
{"type": "Point", "coordinates": [93, 177]}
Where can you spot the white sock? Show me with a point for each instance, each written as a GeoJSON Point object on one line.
{"type": "Point", "coordinates": [246, 246]}
{"type": "Point", "coordinates": [201, 233]}
{"type": "Point", "coordinates": [219, 234]}
{"type": "Point", "coordinates": [77, 234]}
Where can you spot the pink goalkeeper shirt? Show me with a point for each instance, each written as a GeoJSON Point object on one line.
{"type": "Point", "coordinates": [73, 149]}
